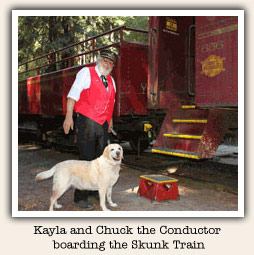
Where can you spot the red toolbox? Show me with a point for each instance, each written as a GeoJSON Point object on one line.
{"type": "Point", "coordinates": [158, 187]}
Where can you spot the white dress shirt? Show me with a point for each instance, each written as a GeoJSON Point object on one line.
{"type": "Point", "coordinates": [83, 81]}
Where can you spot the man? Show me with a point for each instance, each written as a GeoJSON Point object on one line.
{"type": "Point", "coordinates": [92, 96]}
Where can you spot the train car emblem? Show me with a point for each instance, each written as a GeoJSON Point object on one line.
{"type": "Point", "coordinates": [212, 65]}
{"type": "Point", "coordinates": [171, 24]}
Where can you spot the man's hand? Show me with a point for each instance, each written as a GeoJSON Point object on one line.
{"type": "Point", "coordinates": [68, 124]}
{"type": "Point", "coordinates": [110, 126]}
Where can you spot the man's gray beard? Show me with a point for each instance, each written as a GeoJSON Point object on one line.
{"type": "Point", "coordinates": [103, 71]}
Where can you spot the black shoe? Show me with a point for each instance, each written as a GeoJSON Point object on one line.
{"type": "Point", "coordinates": [84, 205]}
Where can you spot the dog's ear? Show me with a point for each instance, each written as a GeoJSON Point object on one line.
{"type": "Point", "coordinates": [106, 152]}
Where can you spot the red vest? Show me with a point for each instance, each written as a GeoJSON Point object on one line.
{"type": "Point", "coordinates": [96, 102]}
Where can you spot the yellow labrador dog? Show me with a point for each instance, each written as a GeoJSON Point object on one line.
{"type": "Point", "coordinates": [99, 174]}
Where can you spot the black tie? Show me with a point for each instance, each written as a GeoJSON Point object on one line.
{"type": "Point", "coordinates": [104, 80]}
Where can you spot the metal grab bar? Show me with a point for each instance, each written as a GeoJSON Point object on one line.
{"type": "Point", "coordinates": [151, 91]}
{"type": "Point", "coordinates": [192, 27]}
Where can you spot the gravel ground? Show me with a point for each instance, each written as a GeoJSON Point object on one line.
{"type": "Point", "coordinates": [194, 195]}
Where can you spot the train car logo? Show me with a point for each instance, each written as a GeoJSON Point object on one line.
{"type": "Point", "coordinates": [171, 24]}
{"type": "Point", "coordinates": [212, 66]}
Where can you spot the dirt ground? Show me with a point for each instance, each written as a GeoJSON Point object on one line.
{"type": "Point", "coordinates": [195, 195]}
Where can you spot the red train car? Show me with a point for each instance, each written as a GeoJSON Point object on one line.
{"type": "Point", "coordinates": [179, 86]}
{"type": "Point", "coordinates": [193, 75]}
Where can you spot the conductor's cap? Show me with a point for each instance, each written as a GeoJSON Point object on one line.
{"type": "Point", "coordinates": [110, 55]}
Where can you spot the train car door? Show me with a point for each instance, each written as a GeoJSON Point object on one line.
{"type": "Point", "coordinates": [171, 61]}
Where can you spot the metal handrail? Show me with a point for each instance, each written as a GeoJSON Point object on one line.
{"type": "Point", "coordinates": [71, 57]}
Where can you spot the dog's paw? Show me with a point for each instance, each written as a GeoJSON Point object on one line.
{"type": "Point", "coordinates": [113, 204]}
{"type": "Point", "coordinates": [58, 206]}
{"type": "Point", "coordinates": [105, 208]}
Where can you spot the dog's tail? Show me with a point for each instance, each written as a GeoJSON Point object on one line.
{"type": "Point", "coordinates": [45, 175]}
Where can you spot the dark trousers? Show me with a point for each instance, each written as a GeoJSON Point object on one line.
{"type": "Point", "coordinates": [92, 138]}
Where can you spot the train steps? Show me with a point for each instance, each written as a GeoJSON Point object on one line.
{"type": "Point", "coordinates": [191, 132]}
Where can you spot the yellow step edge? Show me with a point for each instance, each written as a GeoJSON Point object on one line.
{"type": "Point", "coordinates": [177, 154]}
{"type": "Point", "coordinates": [150, 179]}
{"type": "Point", "coordinates": [184, 136]}
{"type": "Point", "coordinates": [188, 106]}
{"type": "Point", "coordinates": [189, 121]}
